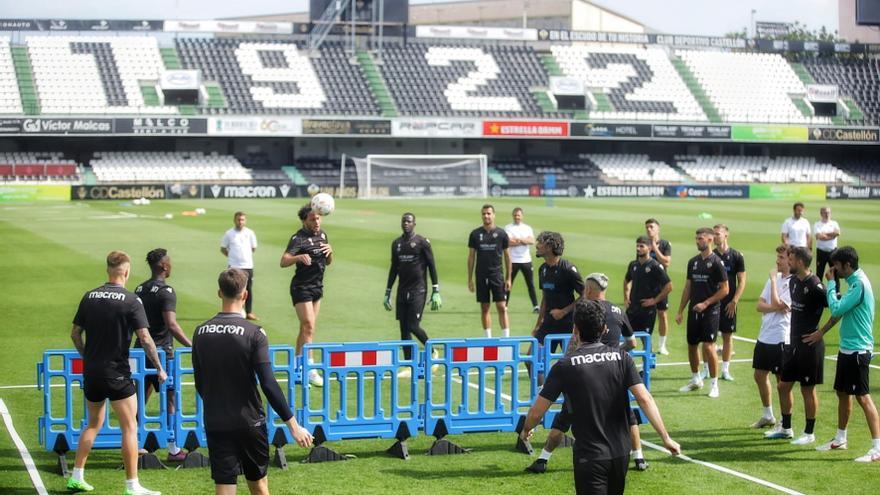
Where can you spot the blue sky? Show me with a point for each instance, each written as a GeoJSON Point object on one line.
{"type": "Point", "coordinates": [706, 17]}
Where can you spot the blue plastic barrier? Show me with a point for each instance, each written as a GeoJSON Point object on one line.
{"type": "Point", "coordinates": [188, 427]}
{"type": "Point", "coordinates": [60, 434]}
{"type": "Point", "coordinates": [284, 363]}
{"type": "Point", "coordinates": [344, 367]}
{"type": "Point", "coordinates": [450, 393]}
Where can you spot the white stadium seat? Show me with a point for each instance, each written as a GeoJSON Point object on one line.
{"type": "Point", "coordinates": [167, 166]}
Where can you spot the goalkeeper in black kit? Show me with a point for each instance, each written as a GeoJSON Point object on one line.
{"type": "Point", "coordinates": [411, 258]}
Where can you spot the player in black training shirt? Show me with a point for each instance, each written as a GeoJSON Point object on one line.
{"type": "Point", "coordinates": [488, 248]}
{"type": "Point", "coordinates": [411, 258]}
{"type": "Point", "coordinates": [229, 355]}
{"type": "Point", "coordinates": [160, 304]}
{"type": "Point", "coordinates": [108, 315]}
{"type": "Point", "coordinates": [704, 289]}
{"type": "Point", "coordinates": [595, 379]}
{"type": "Point", "coordinates": [802, 362]}
{"type": "Point", "coordinates": [735, 265]}
{"type": "Point", "coordinates": [561, 284]}
{"type": "Point", "coordinates": [618, 326]}
{"type": "Point", "coordinates": [645, 284]}
{"type": "Point", "coordinates": [660, 250]}
{"type": "Point", "coordinates": [308, 249]}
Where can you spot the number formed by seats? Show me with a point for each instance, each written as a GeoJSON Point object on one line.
{"type": "Point", "coordinates": [291, 80]}
{"type": "Point", "coordinates": [458, 93]}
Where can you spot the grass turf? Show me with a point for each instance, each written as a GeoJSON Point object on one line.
{"type": "Point", "coordinates": [51, 254]}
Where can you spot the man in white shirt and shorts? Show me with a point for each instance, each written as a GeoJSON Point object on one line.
{"type": "Point", "coordinates": [521, 237]}
{"type": "Point", "coordinates": [238, 245]}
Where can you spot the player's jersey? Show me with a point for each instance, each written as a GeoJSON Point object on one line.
{"type": "Point", "coordinates": [734, 263]}
{"type": "Point", "coordinates": [647, 278]}
{"type": "Point", "coordinates": [225, 353]}
{"type": "Point", "coordinates": [308, 242]}
{"type": "Point", "coordinates": [158, 297]}
{"type": "Point", "coordinates": [705, 275]}
{"type": "Point", "coordinates": [808, 301]}
{"type": "Point", "coordinates": [411, 258]}
{"type": "Point", "coordinates": [109, 314]}
{"type": "Point", "coordinates": [617, 323]}
{"type": "Point", "coordinates": [665, 248]}
{"type": "Point", "coordinates": [594, 379]}
{"type": "Point", "coordinates": [561, 284]}
{"type": "Point", "coordinates": [489, 246]}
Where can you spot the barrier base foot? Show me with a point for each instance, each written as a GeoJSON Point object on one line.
{"type": "Point", "coordinates": [567, 441]}
{"type": "Point", "coordinates": [399, 450]}
{"type": "Point", "coordinates": [195, 459]}
{"type": "Point", "coordinates": [443, 446]}
{"type": "Point", "coordinates": [280, 460]}
{"type": "Point", "coordinates": [320, 453]}
{"type": "Point", "coordinates": [524, 446]}
{"type": "Point", "coordinates": [62, 466]}
{"type": "Point", "coordinates": [150, 461]}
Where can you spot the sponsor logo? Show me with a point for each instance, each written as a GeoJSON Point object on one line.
{"type": "Point", "coordinates": [610, 130]}
{"type": "Point", "coordinates": [162, 125]}
{"type": "Point", "coordinates": [630, 191]}
{"type": "Point", "coordinates": [355, 127]}
{"type": "Point", "coordinates": [67, 126]}
{"type": "Point", "coordinates": [522, 128]}
{"type": "Point", "coordinates": [599, 357]}
{"type": "Point", "coordinates": [838, 134]}
{"type": "Point", "coordinates": [120, 192]}
{"type": "Point", "coordinates": [250, 192]}
{"type": "Point", "coordinates": [256, 126]}
{"type": "Point", "coordinates": [852, 192]}
{"type": "Point", "coordinates": [116, 296]}
{"type": "Point", "coordinates": [223, 329]}
{"type": "Point", "coordinates": [708, 192]}
{"type": "Point", "coordinates": [440, 128]}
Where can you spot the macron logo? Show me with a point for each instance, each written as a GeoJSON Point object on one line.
{"type": "Point", "coordinates": [224, 329]}
{"type": "Point", "coordinates": [116, 296]}
{"type": "Point", "coordinates": [600, 357]}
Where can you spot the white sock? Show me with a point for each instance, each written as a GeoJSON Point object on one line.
{"type": "Point", "coordinates": [506, 332]}
{"type": "Point", "coordinates": [768, 412]}
{"type": "Point", "coordinates": [841, 436]}
{"type": "Point", "coordinates": [662, 341]}
{"type": "Point", "coordinates": [715, 382]}
{"type": "Point", "coordinates": [696, 377]}
{"type": "Point", "coordinates": [488, 332]}
{"type": "Point", "coordinates": [725, 366]}
{"type": "Point", "coordinates": [78, 474]}
{"type": "Point", "coordinates": [706, 368]}
{"type": "Point", "coordinates": [173, 449]}
{"type": "Point", "coordinates": [637, 454]}
{"type": "Point", "coordinates": [876, 442]}
{"type": "Point", "coordinates": [545, 454]}
{"type": "Point", "coordinates": [132, 484]}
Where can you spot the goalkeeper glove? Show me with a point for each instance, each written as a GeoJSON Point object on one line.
{"type": "Point", "coordinates": [387, 301]}
{"type": "Point", "coordinates": [436, 300]}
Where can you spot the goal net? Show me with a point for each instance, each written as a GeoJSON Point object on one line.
{"type": "Point", "coordinates": [416, 176]}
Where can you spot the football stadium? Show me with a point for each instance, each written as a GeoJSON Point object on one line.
{"type": "Point", "coordinates": [441, 247]}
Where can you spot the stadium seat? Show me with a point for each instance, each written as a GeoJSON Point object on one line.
{"type": "Point", "coordinates": [633, 168]}
{"type": "Point", "coordinates": [167, 166]}
{"type": "Point", "coordinates": [42, 167]}
{"type": "Point", "coordinates": [637, 79]}
{"type": "Point", "coordinates": [749, 169]}
{"type": "Point", "coordinates": [10, 99]}
{"type": "Point", "coordinates": [856, 78]}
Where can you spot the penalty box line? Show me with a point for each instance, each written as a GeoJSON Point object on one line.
{"type": "Point", "coordinates": [26, 458]}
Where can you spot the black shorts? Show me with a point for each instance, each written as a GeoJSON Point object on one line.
{"type": "Point", "coordinates": [702, 327]}
{"type": "Point", "coordinates": [605, 477]}
{"type": "Point", "coordinates": [663, 305]}
{"type": "Point", "coordinates": [306, 294]}
{"type": "Point", "coordinates": [152, 380]}
{"type": "Point", "coordinates": [562, 420]}
{"type": "Point", "coordinates": [852, 373]}
{"type": "Point", "coordinates": [543, 332]}
{"type": "Point", "coordinates": [768, 357]}
{"type": "Point", "coordinates": [804, 364]}
{"type": "Point", "coordinates": [490, 285]}
{"type": "Point", "coordinates": [641, 319]}
{"type": "Point", "coordinates": [99, 388]}
{"type": "Point", "coordinates": [410, 305]}
{"type": "Point", "coordinates": [235, 452]}
{"type": "Point", "coordinates": [726, 324]}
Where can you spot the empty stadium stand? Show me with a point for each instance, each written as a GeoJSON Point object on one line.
{"type": "Point", "coordinates": [167, 166]}
{"type": "Point", "coordinates": [634, 168]}
{"type": "Point", "coordinates": [856, 78]}
{"type": "Point", "coordinates": [35, 166]}
{"type": "Point", "coordinates": [748, 169]}
{"type": "Point", "coordinates": [640, 82]}
{"type": "Point", "coordinates": [749, 87]}
{"type": "Point", "coordinates": [10, 99]}
{"type": "Point", "coordinates": [862, 171]}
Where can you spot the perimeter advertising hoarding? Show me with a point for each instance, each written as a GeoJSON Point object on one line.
{"type": "Point", "coordinates": [772, 133]}
{"type": "Point", "coordinates": [787, 191]}
{"type": "Point", "coordinates": [20, 193]}
{"type": "Point", "coordinates": [715, 192]}
{"type": "Point", "coordinates": [852, 192]}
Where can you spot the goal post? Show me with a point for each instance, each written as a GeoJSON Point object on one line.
{"type": "Point", "coordinates": [417, 176]}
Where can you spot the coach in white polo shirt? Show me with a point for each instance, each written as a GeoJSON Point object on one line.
{"type": "Point", "coordinates": [796, 229]}
{"type": "Point", "coordinates": [238, 245]}
{"type": "Point", "coordinates": [521, 237]}
{"type": "Point", "coordinates": [827, 231]}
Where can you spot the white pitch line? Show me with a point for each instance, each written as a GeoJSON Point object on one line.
{"type": "Point", "coordinates": [722, 469]}
{"type": "Point", "coordinates": [23, 451]}
{"type": "Point", "coordinates": [830, 358]}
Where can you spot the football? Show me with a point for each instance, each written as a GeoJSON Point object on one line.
{"type": "Point", "coordinates": [323, 203]}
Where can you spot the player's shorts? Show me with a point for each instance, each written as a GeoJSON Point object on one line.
{"type": "Point", "coordinates": [153, 380]}
{"type": "Point", "coordinates": [804, 364]}
{"type": "Point", "coordinates": [725, 323]}
{"type": "Point", "coordinates": [851, 377]}
{"type": "Point", "coordinates": [562, 420]}
{"type": "Point", "coordinates": [410, 305]}
{"type": "Point", "coordinates": [663, 305]}
{"type": "Point", "coordinates": [244, 451]}
{"type": "Point", "coordinates": [491, 285]}
{"type": "Point", "coordinates": [544, 331]}
{"type": "Point", "coordinates": [306, 294]}
{"type": "Point", "coordinates": [641, 319]}
{"type": "Point", "coordinates": [702, 327]}
{"type": "Point", "coordinates": [99, 388]}
{"type": "Point", "coordinates": [768, 357]}
{"type": "Point", "coordinates": [607, 476]}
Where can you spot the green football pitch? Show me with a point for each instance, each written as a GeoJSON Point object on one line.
{"type": "Point", "coordinates": [51, 253]}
